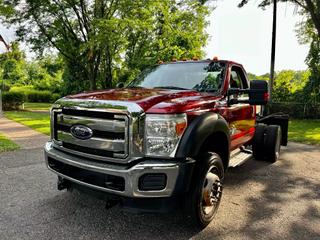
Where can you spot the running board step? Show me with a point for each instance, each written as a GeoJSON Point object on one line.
{"type": "Point", "coordinates": [238, 157]}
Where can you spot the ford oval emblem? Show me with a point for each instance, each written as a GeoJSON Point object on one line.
{"type": "Point", "coordinates": [81, 132]}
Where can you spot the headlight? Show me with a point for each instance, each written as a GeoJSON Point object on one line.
{"type": "Point", "coordinates": [163, 133]}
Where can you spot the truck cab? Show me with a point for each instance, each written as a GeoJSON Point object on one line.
{"type": "Point", "coordinates": [165, 139]}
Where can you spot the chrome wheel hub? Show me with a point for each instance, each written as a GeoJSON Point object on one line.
{"type": "Point", "coordinates": [211, 193]}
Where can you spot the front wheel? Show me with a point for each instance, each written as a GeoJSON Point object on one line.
{"type": "Point", "coordinates": [203, 199]}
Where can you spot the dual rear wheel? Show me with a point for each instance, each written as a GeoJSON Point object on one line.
{"type": "Point", "coordinates": [267, 143]}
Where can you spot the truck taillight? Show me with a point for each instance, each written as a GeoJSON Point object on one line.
{"type": "Point", "coordinates": [266, 96]}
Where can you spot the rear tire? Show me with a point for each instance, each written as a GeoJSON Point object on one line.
{"type": "Point", "coordinates": [203, 199]}
{"type": "Point", "coordinates": [272, 143]}
{"type": "Point", "coordinates": [258, 150]}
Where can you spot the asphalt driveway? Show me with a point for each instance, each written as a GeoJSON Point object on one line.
{"type": "Point", "coordinates": [261, 201]}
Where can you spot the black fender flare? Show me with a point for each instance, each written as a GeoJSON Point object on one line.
{"type": "Point", "coordinates": [198, 131]}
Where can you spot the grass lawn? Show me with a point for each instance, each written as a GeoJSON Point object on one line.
{"type": "Point", "coordinates": [37, 121]}
{"type": "Point", "coordinates": [304, 131]}
{"type": "Point", "coordinates": [7, 145]}
{"type": "Point", "coordinates": [37, 106]}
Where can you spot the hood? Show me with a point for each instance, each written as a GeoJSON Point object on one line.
{"type": "Point", "coordinates": [155, 100]}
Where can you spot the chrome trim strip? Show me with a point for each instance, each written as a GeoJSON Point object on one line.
{"type": "Point", "coordinates": [53, 111]}
{"type": "Point", "coordinates": [131, 175]}
{"type": "Point", "coordinates": [112, 106]}
{"type": "Point", "coordinates": [112, 145]}
{"type": "Point", "coordinates": [93, 123]}
{"type": "Point", "coordinates": [58, 146]}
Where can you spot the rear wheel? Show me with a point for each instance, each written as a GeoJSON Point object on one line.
{"type": "Point", "coordinates": [272, 143]}
{"type": "Point", "coordinates": [258, 150]}
{"type": "Point", "coordinates": [203, 199]}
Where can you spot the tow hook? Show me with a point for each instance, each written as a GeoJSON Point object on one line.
{"type": "Point", "coordinates": [62, 183]}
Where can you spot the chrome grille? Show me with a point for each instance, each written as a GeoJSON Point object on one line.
{"type": "Point", "coordinates": [109, 139]}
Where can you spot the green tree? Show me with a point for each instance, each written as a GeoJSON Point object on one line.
{"type": "Point", "coordinates": [312, 89]}
{"type": "Point", "coordinates": [100, 40]}
{"type": "Point", "coordinates": [45, 74]}
{"type": "Point", "coordinates": [40, 74]}
{"type": "Point", "coordinates": [307, 34]}
{"type": "Point", "coordinates": [289, 85]}
{"type": "Point", "coordinates": [12, 65]}
{"type": "Point", "coordinates": [252, 76]}
{"type": "Point", "coordinates": [170, 30]}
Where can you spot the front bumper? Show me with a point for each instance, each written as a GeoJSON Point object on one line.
{"type": "Point", "coordinates": [178, 173]}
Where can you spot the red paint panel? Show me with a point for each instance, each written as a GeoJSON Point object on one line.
{"type": "Point", "coordinates": [156, 100]}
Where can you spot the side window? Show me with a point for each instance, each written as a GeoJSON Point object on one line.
{"type": "Point", "coordinates": [238, 80]}
{"type": "Point", "coordinates": [235, 81]}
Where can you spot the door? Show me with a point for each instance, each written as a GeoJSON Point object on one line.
{"type": "Point", "coordinates": [241, 116]}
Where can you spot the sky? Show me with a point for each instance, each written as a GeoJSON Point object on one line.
{"type": "Point", "coordinates": [244, 35]}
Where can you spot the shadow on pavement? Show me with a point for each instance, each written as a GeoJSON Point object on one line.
{"type": "Point", "coordinates": [278, 201]}
{"type": "Point", "coordinates": [282, 186]}
{"type": "Point", "coordinates": [278, 187]}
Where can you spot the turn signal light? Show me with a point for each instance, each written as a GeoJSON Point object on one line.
{"type": "Point", "coordinates": [180, 128]}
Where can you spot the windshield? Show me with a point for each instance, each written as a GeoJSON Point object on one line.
{"type": "Point", "coordinates": [200, 76]}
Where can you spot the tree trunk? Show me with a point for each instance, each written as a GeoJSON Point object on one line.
{"type": "Point", "coordinates": [108, 81]}
{"type": "Point", "coordinates": [108, 74]}
{"type": "Point", "coordinates": [93, 84]}
{"type": "Point", "coordinates": [92, 77]}
{"type": "Point", "coordinates": [315, 14]}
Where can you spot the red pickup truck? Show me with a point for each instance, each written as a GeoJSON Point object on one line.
{"type": "Point", "coordinates": [165, 139]}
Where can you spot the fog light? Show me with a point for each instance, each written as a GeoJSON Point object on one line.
{"type": "Point", "coordinates": [153, 182]}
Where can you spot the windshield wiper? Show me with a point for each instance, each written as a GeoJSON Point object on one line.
{"type": "Point", "coordinates": [172, 87]}
{"type": "Point", "coordinates": [135, 87]}
{"type": "Point", "coordinates": [208, 90]}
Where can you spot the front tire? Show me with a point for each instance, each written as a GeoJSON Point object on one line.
{"type": "Point", "coordinates": [203, 199]}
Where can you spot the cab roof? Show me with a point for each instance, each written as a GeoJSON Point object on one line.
{"type": "Point", "coordinates": [204, 60]}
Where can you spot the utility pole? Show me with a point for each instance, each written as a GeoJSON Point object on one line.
{"type": "Point", "coordinates": [273, 48]}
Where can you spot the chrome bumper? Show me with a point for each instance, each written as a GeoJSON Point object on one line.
{"type": "Point", "coordinates": [131, 175]}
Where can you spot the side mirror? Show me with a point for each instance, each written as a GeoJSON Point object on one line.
{"type": "Point", "coordinates": [120, 85]}
{"type": "Point", "coordinates": [258, 93]}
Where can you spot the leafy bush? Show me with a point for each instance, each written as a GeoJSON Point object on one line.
{"type": "Point", "coordinates": [38, 96]}
{"type": "Point", "coordinates": [55, 97]}
{"type": "Point", "coordinates": [296, 110]}
{"type": "Point", "coordinates": [12, 100]}
{"type": "Point", "coordinates": [23, 89]}
{"type": "Point", "coordinates": [32, 95]}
